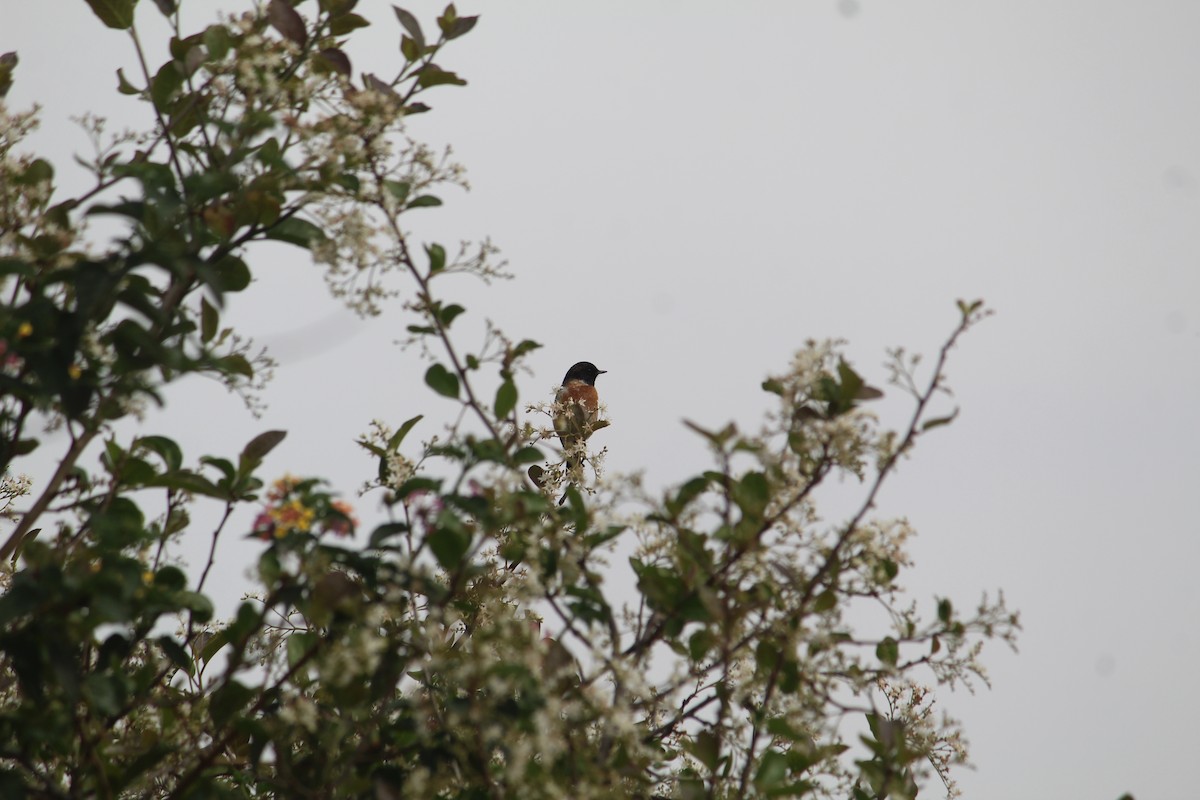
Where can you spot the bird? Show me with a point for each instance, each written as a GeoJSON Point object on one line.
{"type": "Point", "coordinates": [577, 409]}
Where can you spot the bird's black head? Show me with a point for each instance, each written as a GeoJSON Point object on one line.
{"type": "Point", "coordinates": [583, 371]}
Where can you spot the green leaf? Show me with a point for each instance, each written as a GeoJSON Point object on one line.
{"type": "Point", "coordinates": [779, 726]}
{"type": "Point", "coordinates": [888, 651]}
{"type": "Point", "coordinates": [187, 481]}
{"type": "Point", "coordinates": [706, 748]}
{"type": "Point", "coordinates": [524, 347]}
{"type": "Point", "coordinates": [245, 623]}
{"type": "Point", "coordinates": [418, 484]}
{"type": "Point", "coordinates": [399, 435]}
{"type": "Point", "coordinates": [39, 171]}
{"type": "Point", "coordinates": [103, 694]}
{"type": "Point", "coordinates": [171, 578]}
{"type": "Point", "coordinates": [663, 589]}
{"type": "Point", "coordinates": [175, 652]}
{"type": "Point", "coordinates": [294, 230]}
{"type": "Point", "coordinates": [945, 610]}
{"type": "Point", "coordinates": [200, 606]}
{"type": "Point", "coordinates": [751, 494]}
{"type": "Point", "coordinates": [224, 465]}
{"type": "Point", "coordinates": [939, 421]}
{"type": "Point", "coordinates": [766, 656]}
{"type": "Point", "coordinates": [459, 27]}
{"type": "Point", "coordinates": [606, 535]}
{"type": "Point", "coordinates": [269, 568]}
{"type": "Point", "coordinates": [433, 75]}
{"type": "Point", "coordinates": [686, 494]}
{"type": "Point", "coordinates": [8, 63]}
{"type": "Point", "coordinates": [528, 455]}
{"type": "Point", "coordinates": [165, 84]}
{"type": "Point", "coordinates": [825, 601]}
{"type": "Point", "coordinates": [700, 643]}
{"type": "Point", "coordinates": [298, 645]}
{"type": "Point", "coordinates": [969, 308]}
{"type": "Point", "coordinates": [409, 49]}
{"type": "Point", "coordinates": [209, 319]}
{"type": "Point", "coordinates": [425, 201]}
{"type": "Point", "coordinates": [719, 438]}
{"type": "Point", "coordinates": [213, 645]}
{"type": "Point", "coordinates": [217, 42]}
{"type": "Point", "coordinates": [258, 447]}
{"type": "Point", "coordinates": [232, 274]}
{"type": "Point", "coordinates": [124, 86]}
{"type": "Point", "coordinates": [236, 364]}
{"type": "Point", "coordinates": [117, 14]}
{"type": "Point", "coordinates": [119, 524]}
{"type": "Point", "coordinates": [374, 450]}
{"type": "Point", "coordinates": [773, 386]}
{"type": "Point", "coordinates": [386, 531]}
{"type": "Point", "coordinates": [506, 398]}
{"type": "Point", "coordinates": [852, 382]}
{"type": "Point", "coordinates": [397, 189]}
{"type": "Point", "coordinates": [437, 257]}
{"type": "Point", "coordinates": [449, 544]}
{"type": "Point", "coordinates": [206, 186]}
{"type": "Point", "coordinates": [163, 447]}
{"type": "Point", "coordinates": [442, 381]}
{"type": "Point", "coordinates": [344, 23]}
{"type": "Point", "coordinates": [772, 770]}
{"type": "Point", "coordinates": [449, 313]}
{"type": "Point", "coordinates": [228, 700]}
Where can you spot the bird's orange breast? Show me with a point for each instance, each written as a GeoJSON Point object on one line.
{"type": "Point", "coordinates": [581, 393]}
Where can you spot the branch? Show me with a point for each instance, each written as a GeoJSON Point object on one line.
{"type": "Point", "coordinates": [888, 465]}
{"type": "Point", "coordinates": [10, 548]}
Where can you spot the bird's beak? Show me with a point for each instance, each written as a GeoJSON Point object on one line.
{"type": "Point", "coordinates": [601, 371]}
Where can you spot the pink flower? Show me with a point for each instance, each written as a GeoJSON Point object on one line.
{"type": "Point", "coordinates": [264, 526]}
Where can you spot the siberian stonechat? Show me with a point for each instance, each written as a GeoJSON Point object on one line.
{"type": "Point", "coordinates": [577, 409]}
{"type": "Point", "coordinates": [576, 416]}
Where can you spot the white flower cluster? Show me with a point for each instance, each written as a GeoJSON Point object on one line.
{"type": "Point", "coordinates": [12, 487]}
{"type": "Point", "coordinates": [357, 654]}
{"type": "Point", "coordinates": [26, 185]}
{"type": "Point", "coordinates": [400, 468]}
{"type": "Point", "coordinates": [911, 704]}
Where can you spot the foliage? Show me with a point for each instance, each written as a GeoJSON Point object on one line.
{"type": "Point", "coordinates": [478, 643]}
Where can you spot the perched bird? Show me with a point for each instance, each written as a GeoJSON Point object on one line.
{"type": "Point", "coordinates": [577, 410]}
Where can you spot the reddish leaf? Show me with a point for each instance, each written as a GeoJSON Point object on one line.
{"type": "Point", "coordinates": [460, 26]}
{"type": "Point", "coordinates": [287, 21]}
{"type": "Point", "coordinates": [374, 83]}
{"type": "Point", "coordinates": [337, 60]}
{"type": "Point", "coordinates": [411, 25]}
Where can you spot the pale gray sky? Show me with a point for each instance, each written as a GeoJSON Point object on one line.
{"type": "Point", "coordinates": [687, 191]}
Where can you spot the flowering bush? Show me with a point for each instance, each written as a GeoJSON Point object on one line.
{"type": "Point", "coordinates": [479, 642]}
{"type": "Point", "coordinates": [297, 507]}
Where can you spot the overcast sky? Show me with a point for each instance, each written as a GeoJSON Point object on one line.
{"type": "Point", "coordinates": [686, 191]}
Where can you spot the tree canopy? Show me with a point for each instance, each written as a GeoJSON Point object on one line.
{"type": "Point", "coordinates": [474, 643]}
